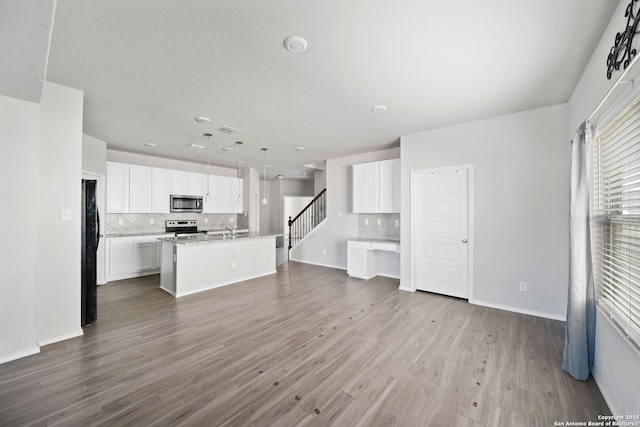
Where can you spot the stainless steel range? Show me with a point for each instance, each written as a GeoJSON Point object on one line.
{"type": "Point", "coordinates": [182, 227]}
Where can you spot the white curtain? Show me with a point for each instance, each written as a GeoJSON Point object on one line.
{"type": "Point", "coordinates": [581, 307]}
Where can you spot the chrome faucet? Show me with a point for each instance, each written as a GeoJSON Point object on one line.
{"type": "Point", "coordinates": [229, 229]}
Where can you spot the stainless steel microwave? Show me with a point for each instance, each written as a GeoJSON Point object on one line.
{"type": "Point", "coordinates": [180, 203]}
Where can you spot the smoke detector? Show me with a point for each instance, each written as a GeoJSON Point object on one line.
{"type": "Point", "coordinates": [295, 44]}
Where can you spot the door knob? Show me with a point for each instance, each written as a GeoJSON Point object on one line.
{"type": "Point", "coordinates": [464, 240]}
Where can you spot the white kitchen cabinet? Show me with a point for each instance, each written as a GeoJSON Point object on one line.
{"type": "Point", "coordinates": [117, 187]}
{"type": "Point", "coordinates": [144, 253]}
{"type": "Point", "coordinates": [368, 258]}
{"type": "Point", "coordinates": [361, 261]}
{"type": "Point", "coordinates": [133, 256]}
{"type": "Point", "coordinates": [120, 257]}
{"type": "Point", "coordinates": [139, 189]}
{"type": "Point", "coordinates": [389, 186]}
{"type": "Point", "coordinates": [376, 187]}
{"type": "Point", "coordinates": [365, 187]}
{"type": "Point", "coordinates": [196, 184]}
{"type": "Point", "coordinates": [226, 195]}
{"type": "Point", "coordinates": [188, 183]}
{"type": "Point", "coordinates": [179, 182]}
{"type": "Point", "coordinates": [160, 190]}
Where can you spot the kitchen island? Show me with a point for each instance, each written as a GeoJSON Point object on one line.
{"type": "Point", "coordinates": [200, 262]}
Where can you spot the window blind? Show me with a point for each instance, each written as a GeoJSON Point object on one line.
{"type": "Point", "coordinates": [617, 214]}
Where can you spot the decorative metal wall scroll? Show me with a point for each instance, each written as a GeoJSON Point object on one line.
{"type": "Point", "coordinates": [622, 52]}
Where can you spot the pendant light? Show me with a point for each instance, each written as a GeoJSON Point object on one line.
{"type": "Point", "coordinates": [207, 197]}
{"type": "Point", "coordinates": [239, 144]}
{"type": "Point", "coordinates": [264, 177]}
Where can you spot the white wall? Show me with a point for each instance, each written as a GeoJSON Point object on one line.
{"type": "Point", "coordinates": [94, 155]}
{"type": "Point", "coordinates": [327, 245]}
{"type": "Point", "coordinates": [319, 182]}
{"type": "Point", "coordinates": [58, 252]}
{"type": "Point", "coordinates": [18, 187]}
{"type": "Point", "coordinates": [521, 198]}
{"type": "Point", "coordinates": [617, 364]}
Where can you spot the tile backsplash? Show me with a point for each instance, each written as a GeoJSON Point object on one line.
{"type": "Point", "coordinates": [379, 226]}
{"type": "Point", "coordinates": [142, 223]}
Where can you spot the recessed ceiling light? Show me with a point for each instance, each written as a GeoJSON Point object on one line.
{"type": "Point", "coordinates": [304, 174]}
{"type": "Point", "coordinates": [203, 119]}
{"type": "Point", "coordinates": [198, 146]}
{"type": "Point", "coordinates": [299, 148]}
{"type": "Point", "coordinates": [295, 44]}
{"type": "Point", "coordinates": [379, 109]}
{"type": "Point", "coordinates": [151, 144]}
{"type": "Point", "coordinates": [227, 148]}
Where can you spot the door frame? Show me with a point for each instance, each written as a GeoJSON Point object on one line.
{"type": "Point", "coordinates": [414, 204]}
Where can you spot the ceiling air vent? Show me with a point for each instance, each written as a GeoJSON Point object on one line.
{"type": "Point", "coordinates": [228, 130]}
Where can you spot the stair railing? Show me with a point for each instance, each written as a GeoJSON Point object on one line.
{"type": "Point", "coordinates": [308, 218]}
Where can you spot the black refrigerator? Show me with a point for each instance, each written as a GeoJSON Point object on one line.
{"type": "Point", "coordinates": [90, 240]}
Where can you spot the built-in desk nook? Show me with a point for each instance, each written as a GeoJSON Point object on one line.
{"type": "Point", "coordinates": [369, 257]}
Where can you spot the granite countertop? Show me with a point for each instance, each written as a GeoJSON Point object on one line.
{"type": "Point", "coordinates": [375, 240]}
{"type": "Point", "coordinates": [198, 239]}
{"type": "Point", "coordinates": [164, 233]}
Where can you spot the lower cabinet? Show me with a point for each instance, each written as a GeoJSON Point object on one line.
{"type": "Point", "coordinates": [133, 256]}
{"type": "Point", "coordinates": [367, 259]}
{"type": "Point", "coordinates": [361, 262]}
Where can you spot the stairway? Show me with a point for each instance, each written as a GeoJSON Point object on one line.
{"type": "Point", "coordinates": [308, 218]}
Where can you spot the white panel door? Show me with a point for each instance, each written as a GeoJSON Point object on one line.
{"type": "Point", "coordinates": [440, 222]}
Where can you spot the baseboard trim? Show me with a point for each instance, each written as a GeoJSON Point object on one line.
{"type": "Point", "coordinates": [20, 355]}
{"type": "Point", "coordinates": [519, 310]}
{"type": "Point", "coordinates": [78, 333]}
{"type": "Point", "coordinates": [406, 289]}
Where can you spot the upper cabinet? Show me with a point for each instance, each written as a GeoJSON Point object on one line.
{"type": "Point", "coordinates": [376, 187]}
{"type": "Point", "coordinates": [160, 190]}
{"type": "Point", "coordinates": [188, 183]}
{"type": "Point", "coordinates": [139, 189]}
{"type": "Point", "coordinates": [226, 195]}
{"type": "Point", "coordinates": [142, 189]}
{"type": "Point", "coordinates": [117, 187]}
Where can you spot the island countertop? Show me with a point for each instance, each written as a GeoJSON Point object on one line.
{"type": "Point", "coordinates": [198, 239]}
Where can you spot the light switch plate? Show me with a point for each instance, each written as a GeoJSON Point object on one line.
{"type": "Point", "coordinates": [397, 222]}
{"type": "Point", "coordinates": [231, 219]}
{"type": "Point", "coordinates": [65, 214]}
{"type": "Point", "coordinates": [152, 221]}
{"type": "Point", "coordinates": [379, 222]}
{"type": "Point", "coordinates": [366, 221]}
{"type": "Point", "coordinates": [206, 220]}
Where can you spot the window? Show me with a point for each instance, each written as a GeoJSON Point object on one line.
{"type": "Point", "coordinates": [616, 225]}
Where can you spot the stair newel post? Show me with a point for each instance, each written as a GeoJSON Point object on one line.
{"type": "Point", "coordinates": [290, 232]}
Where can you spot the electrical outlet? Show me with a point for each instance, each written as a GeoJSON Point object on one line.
{"type": "Point", "coordinates": [324, 252]}
{"type": "Point", "coordinates": [379, 222]}
{"type": "Point", "coordinates": [339, 213]}
{"type": "Point", "coordinates": [231, 219]}
{"type": "Point", "coordinates": [366, 221]}
{"type": "Point", "coordinates": [120, 221]}
{"type": "Point", "coordinates": [65, 214]}
{"type": "Point", "coordinates": [523, 286]}
{"type": "Point", "coordinates": [397, 223]}
{"type": "Point", "coordinates": [206, 220]}
{"type": "Point", "coordinates": [152, 221]}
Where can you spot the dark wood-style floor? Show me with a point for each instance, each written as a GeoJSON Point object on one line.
{"type": "Point", "coordinates": [306, 346]}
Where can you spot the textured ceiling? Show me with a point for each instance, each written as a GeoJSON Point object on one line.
{"type": "Point", "coordinates": [25, 29]}
{"type": "Point", "coordinates": [149, 67]}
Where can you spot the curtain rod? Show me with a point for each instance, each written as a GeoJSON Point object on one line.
{"type": "Point", "coordinates": [613, 88]}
